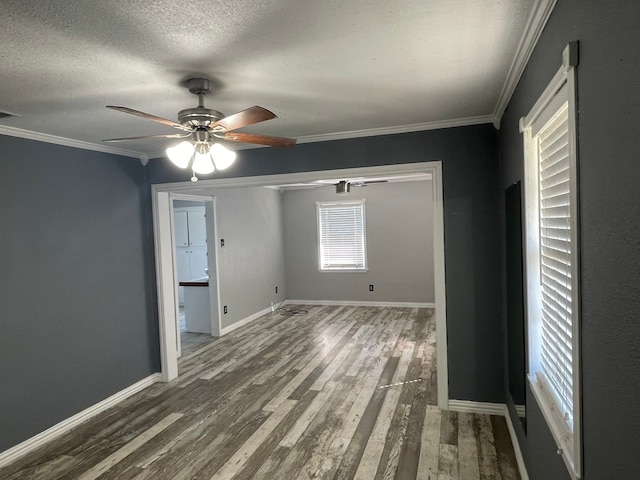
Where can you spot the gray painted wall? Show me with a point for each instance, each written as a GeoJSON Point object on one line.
{"type": "Point", "coordinates": [609, 177]}
{"type": "Point", "coordinates": [77, 312]}
{"type": "Point", "coordinates": [251, 264]}
{"type": "Point", "coordinates": [472, 230]}
{"type": "Point", "coordinates": [399, 233]}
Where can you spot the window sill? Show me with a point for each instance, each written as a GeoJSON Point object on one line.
{"type": "Point", "coordinates": [343, 270]}
{"type": "Point", "coordinates": [556, 425]}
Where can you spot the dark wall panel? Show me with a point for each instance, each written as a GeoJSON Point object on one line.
{"type": "Point", "coordinates": [472, 247]}
{"type": "Point", "coordinates": [609, 177]}
{"type": "Point", "coordinates": [76, 283]}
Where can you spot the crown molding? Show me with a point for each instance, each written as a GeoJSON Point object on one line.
{"type": "Point", "coordinates": [69, 142]}
{"type": "Point", "coordinates": [535, 25]}
{"type": "Point", "coordinates": [414, 127]}
{"type": "Point", "coordinates": [325, 137]}
{"type": "Point", "coordinates": [373, 132]}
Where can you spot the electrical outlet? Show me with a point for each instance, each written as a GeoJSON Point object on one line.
{"type": "Point", "coordinates": [224, 309]}
{"type": "Point", "coordinates": [371, 288]}
{"type": "Point", "coordinates": [276, 289]}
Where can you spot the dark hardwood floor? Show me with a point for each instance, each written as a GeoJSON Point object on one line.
{"type": "Point", "coordinates": [339, 393]}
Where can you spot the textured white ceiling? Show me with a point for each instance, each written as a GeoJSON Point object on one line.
{"type": "Point", "coordinates": [322, 66]}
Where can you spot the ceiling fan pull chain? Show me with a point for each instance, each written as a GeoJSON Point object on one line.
{"type": "Point", "coordinates": [194, 178]}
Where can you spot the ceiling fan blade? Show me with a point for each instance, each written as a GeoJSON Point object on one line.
{"type": "Point", "coordinates": [246, 117]}
{"type": "Point", "coordinates": [260, 139]}
{"type": "Point", "coordinates": [148, 116]}
{"type": "Point", "coordinates": [171, 135]}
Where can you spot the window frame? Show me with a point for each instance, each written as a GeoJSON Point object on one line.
{"type": "Point", "coordinates": [561, 91]}
{"type": "Point", "coordinates": [362, 204]}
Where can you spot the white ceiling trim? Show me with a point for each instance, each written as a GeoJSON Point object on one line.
{"type": "Point", "coordinates": [535, 25]}
{"type": "Point", "coordinates": [414, 127]}
{"type": "Point", "coordinates": [69, 142]}
{"type": "Point", "coordinates": [374, 132]}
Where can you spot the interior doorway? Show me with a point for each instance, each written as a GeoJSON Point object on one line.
{"type": "Point", "coordinates": [162, 229]}
{"type": "Point", "coordinates": [166, 254]}
{"type": "Point", "coordinates": [191, 254]}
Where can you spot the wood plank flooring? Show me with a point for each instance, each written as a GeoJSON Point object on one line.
{"type": "Point", "coordinates": [339, 393]}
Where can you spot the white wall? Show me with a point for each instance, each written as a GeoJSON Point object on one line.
{"type": "Point", "coordinates": [399, 222]}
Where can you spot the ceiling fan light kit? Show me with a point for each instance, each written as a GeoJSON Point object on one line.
{"type": "Point", "coordinates": [202, 127]}
{"type": "Point", "coordinates": [201, 154]}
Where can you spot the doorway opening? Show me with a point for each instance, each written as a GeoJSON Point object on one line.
{"type": "Point", "coordinates": [191, 254]}
{"type": "Point", "coordinates": [165, 269]}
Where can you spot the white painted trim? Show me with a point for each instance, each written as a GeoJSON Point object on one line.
{"type": "Point", "coordinates": [555, 423]}
{"type": "Point", "coordinates": [370, 132]}
{"type": "Point", "coordinates": [359, 303]}
{"type": "Point", "coordinates": [69, 142]}
{"type": "Point", "coordinates": [439, 285]}
{"type": "Point", "coordinates": [415, 127]}
{"type": "Point", "coordinates": [482, 408]}
{"type": "Point", "coordinates": [569, 443]}
{"type": "Point", "coordinates": [538, 18]}
{"type": "Point", "coordinates": [245, 321]}
{"type": "Point", "coordinates": [522, 468]}
{"type": "Point", "coordinates": [167, 308]}
{"type": "Point", "coordinates": [300, 177]}
{"type": "Point", "coordinates": [64, 426]}
{"type": "Point", "coordinates": [214, 294]}
{"type": "Point", "coordinates": [432, 167]}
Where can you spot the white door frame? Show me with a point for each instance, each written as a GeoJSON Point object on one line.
{"type": "Point", "coordinates": [166, 275]}
{"type": "Point", "coordinates": [164, 261]}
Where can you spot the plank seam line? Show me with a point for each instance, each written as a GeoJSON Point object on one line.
{"type": "Point", "coordinates": [401, 383]}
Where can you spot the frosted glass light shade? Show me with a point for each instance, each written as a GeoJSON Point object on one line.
{"type": "Point", "coordinates": [222, 157]}
{"type": "Point", "coordinates": [181, 154]}
{"type": "Point", "coordinates": [202, 163]}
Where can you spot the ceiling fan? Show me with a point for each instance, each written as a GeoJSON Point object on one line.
{"type": "Point", "coordinates": [201, 127]}
{"type": "Point", "coordinates": [344, 186]}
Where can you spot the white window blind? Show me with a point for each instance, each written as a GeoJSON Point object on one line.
{"type": "Point", "coordinates": [555, 260]}
{"type": "Point", "coordinates": [341, 236]}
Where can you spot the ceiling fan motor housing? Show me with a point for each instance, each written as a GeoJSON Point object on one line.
{"type": "Point", "coordinates": [199, 117]}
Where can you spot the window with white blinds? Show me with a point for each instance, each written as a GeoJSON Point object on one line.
{"type": "Point", "coordinates": [552, 253]}
{"type": "Point", "coordinates": [341, 235]}
{"type": "Point", "coordinates": [555, 261]}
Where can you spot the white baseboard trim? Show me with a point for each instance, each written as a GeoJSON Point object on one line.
{"type": "Point", "coordinates": [516, 445]}
{"type": "Point", "coordinates": [244, 321]}
{"type": "Point", "coordinates": [484, 408]}
{"type": "Point", "coordinates": [500, 409]}
{"type": "Point", "coordinates": [361, 303]}
{"type": "Point", "coordinates": [11, 455]}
